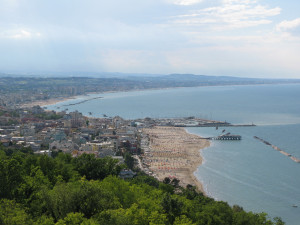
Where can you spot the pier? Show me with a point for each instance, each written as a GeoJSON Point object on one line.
{"type": "Point", "coordinates": [278, 149]}
{"type": "Point", "coordinates": [226, 137]}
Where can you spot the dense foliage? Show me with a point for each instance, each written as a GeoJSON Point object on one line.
{"type": "Point", "coordinates": [39, 189]}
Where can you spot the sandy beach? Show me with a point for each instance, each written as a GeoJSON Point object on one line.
{"type": "Point", "coordinates": [174, 153]}
{"type": "Point", "coordinates": [51, 101]}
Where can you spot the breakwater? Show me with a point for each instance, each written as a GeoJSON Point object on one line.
{"type": "Point", "coordinates": [278, 149]}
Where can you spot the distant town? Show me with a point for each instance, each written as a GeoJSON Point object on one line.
{"type": "Point", "coordinates": [49, 132]}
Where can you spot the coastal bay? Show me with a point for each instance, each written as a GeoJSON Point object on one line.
{"type": "Point", "coordinates": [247, 172]}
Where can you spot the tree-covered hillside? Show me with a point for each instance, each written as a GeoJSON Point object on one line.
{"type": "Point", "coordinates": [39, 189]}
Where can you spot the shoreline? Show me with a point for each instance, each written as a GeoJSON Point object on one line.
{"type": "Point", "coordinates": [53, 101]}
{"type": "Point", "coordinates": [196, 180]}
{"type": "Point", "coordinates": [173, 152]}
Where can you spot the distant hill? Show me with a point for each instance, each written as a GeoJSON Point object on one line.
{"type": "Point", "coordinates": [191, 80]}
{"type": "Point", "coordinates": [121, 82]}
{"type": "Point", "coordinates": [148, 77]}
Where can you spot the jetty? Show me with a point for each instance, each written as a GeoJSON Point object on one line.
{"type": "Point", "coordinates": [226, 137]}
{"type": "Point", "coordinates": [278, 149]}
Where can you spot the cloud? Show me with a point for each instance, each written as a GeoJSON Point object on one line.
{"type": "Point", "coordinates": [239, 1]}
{"type": "Point", "coordinates": [186, 2]}
{"type": "Point", "coordinates": [234, 37]}
{"type": "Point", "coordinates": [19, 34]}
{"type": "Point", "coordinates": [232, 14]}
{"type": "Point", "coordinates": [289, 26]}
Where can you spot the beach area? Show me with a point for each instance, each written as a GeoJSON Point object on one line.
{"type": "Point", "coordinates": [174, 153]}
{"type": "Point", "coordinates": [51, 101]}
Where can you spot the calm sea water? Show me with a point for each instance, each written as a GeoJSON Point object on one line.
{"type": "Point", "coordinates": [248, 172]}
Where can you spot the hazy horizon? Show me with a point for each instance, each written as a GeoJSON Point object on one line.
{"type": "Point", "coordinates": [120, 75]}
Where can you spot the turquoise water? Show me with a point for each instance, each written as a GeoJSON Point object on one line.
{"type": "Point", "coordinates": [248, 172]}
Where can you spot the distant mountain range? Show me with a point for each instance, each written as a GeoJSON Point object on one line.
{"type": "Point", "coordinates": [125, 81]}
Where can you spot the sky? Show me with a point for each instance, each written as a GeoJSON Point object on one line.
{"type": "Point", "coordinates": [245, 38]}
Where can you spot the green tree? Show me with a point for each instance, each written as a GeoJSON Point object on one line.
{"type": "Point", "coordinates": [183, 220]}
{"type": "Point", "coordinates": [48, 167]}
{"type": "Point", "coordinates": [171, 206]}
{"type": "Point", "coordinates": [158, 218]}
{"type": "Point", "coordinates": [72, 219]}
{"type": "Point", "coordinates": [10, 177]}
{"type": "Point", "coordinates": [87, 197]}
{"type": "Point", "coordinates": [216, 213]}
{"type": "Point", "coordinates": [143, 179]}
{"type": "Point", "coordinates": [12, 213]}
{"type": "Point", "coordinates": [92, 168]}
{"type": "Point", "coordinates": [129, 160]}
{"type": "Point", "coordinates": [278, 221]}
{"type": "Point", "coordinates": [131, 216]}
{"type": "Point", "coordinates": [167, 180]}
{"type": "Point", "coordinates": [32, 184]}
{"type": "Point", "coordinates": [44, 220]}
{"type": "Point", "coordinates": [175, 182]}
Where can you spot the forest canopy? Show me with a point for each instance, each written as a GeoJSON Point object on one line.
{"type": "Point", "coordinates": [40, 189]}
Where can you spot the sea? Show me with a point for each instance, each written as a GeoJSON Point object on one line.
{"type": "Point", "coordinates": [248, 173]}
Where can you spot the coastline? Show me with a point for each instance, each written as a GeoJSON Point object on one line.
{"type": "Point", "coordinates": [210, 183]}
{"type": "Point", "coordinates": [173, 152]}
{"type": "Point", "coordinates": [53, 101]}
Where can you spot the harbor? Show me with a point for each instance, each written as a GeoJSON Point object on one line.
{"type": "Point", "coordinates": [188, 122]}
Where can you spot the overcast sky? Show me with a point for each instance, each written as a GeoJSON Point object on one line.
{"type": "Point", "coordinates": [247, 38]}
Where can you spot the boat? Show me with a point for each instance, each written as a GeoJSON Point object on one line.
{"type": "Point", "coordinates": [295, 206]}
